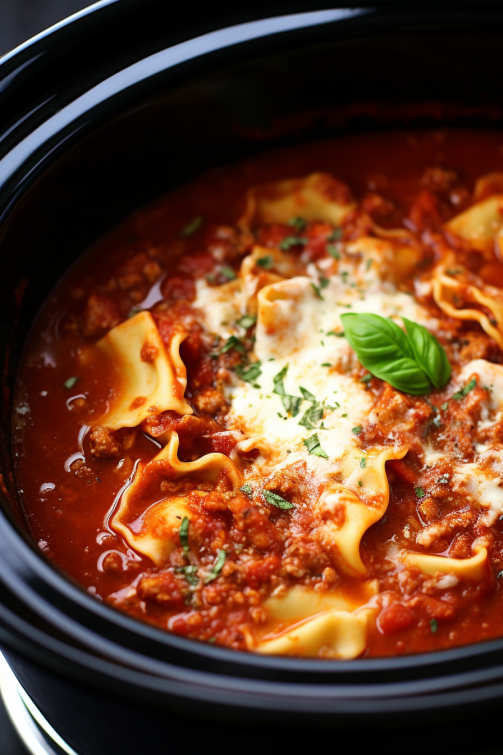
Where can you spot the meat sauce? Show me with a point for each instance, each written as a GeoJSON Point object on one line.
{"type": "Point", "coordinates": [70, 481]}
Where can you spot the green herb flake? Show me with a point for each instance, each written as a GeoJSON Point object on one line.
{"type": "Point", "coordinates": [363, 462]}
{"type": "Point", "coordinates": [212, 640]}
{"type": "Point", "coordinates": [466, 390]}
{"type": "Point", "coordinates": [183, 533]}
{"type": "Point", "coordinates": [227, 272]}
{"type": "Point", "coordinates": [437, 422]}
{"type": "Point", "coordinates": [356, 430]}
{"type": "Point", "coordinates": [190, 573]}
{"type": "Point", "coordinates": [313, 446]}
{"type": "Point", "coordinates": [194, 225]}
{"type": "Point", "coordinates": [340, 334]}
{"type": "Point", "coordinates": [317, 291]}
{"type": "Point", "coordinates": [312, 416]}
{"type": "Point", "coordinates": [433, 625]}
{"type": "Point", "coordinates": [344, 415]}
{"type": "Point", "coordinates": [324, 282]}
{"type": "Point", "coordinates": [325, 364]}
{"type": "Point", "coordinates": [445, 406]}
{"type": "Point", "coordinates": [453, 271]}
{"type": "Point", "coordinates": [276, 500]}
{"type": "Point", "coordinates": [247, 321]}
{"type": "Point", "coordinates": [298, 223]}
{"type": "Point", "coordinates": [307, 395]}
{"type": "Point", "coordinates": [290, 241]}
{"type": "Point", "coordinates": [232, 343]}
{"type": "Point", "coordinates": [246, 489]}
{"type": "Point", "coordinates": [333, 251]}
{"type": "Point", "coordinates": [216, 568]}
{"type": "Point", "coordinates": [265, 262]}
{"type": "Point", "coordinates": [369, 264]}
{"type": "Point", "coordinates": [360, 483]}
{"type": "Point", "coordinates": [419, 492]}
{"type": "Point", "coordinates": [336, 235]}
{"type": "Point", "coordinates": [249, 374]}
{"type": "Point", "coordinates": [366, 378]}
{"type": "Point", "coordinates": [71, 382]}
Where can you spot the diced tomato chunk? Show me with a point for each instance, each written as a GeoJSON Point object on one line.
{"type": "Point", "coordinates": [394, 618]}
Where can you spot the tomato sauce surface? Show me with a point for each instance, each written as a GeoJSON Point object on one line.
{"type": "Point", "coordinates": [69, 494]}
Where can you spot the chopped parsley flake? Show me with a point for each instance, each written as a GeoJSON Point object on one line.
{"type": "Point", "coordinates": [249, 374]}
{"type": "Point", "coordinates": [337, 335]}
{"type": "Point", "coordinates": [466, 390]}
{"type": "Point", "coordinates": [313, 446]}
{"type": "Point", "coordinates": [227, 272]}
{"type": "Point", "coordinates": [369, 264]}
{"type": "Point", "coordinates": [290, 241]}
{"type": "Point", "coordinates": [246, 489]}
{"type": "Point", "coordinates": [336, 235]}
{"type": "Point", "coordinates": [232, 343]}
{"type": "Point", "coordinates": [317, 291]}
{"type": "Point", "coordinates": [247, 321]}
{"type": "Point", "coordinates": [419, 492]}
{"type": "Point", "coordinates": [360, 483]}
{"type": "Point", "coordinates": [70, 382]}
{"type": "Point", "coordinates": [265, 262]}
{"type": "Point", "coordinates": [366, 378]}
{"type": "Point", "coordinates": [324, 282]}
{"type": "Point", "coordinates": [344, 415]}
{"type": "Point", "coordinates": [363, 462]}
{"type": "Point", "coordinates": [356, 430]}
{"type": "Point", "coordinates": [444, 406]}
{"type": "Point", "coordinates": [194, 225]}
{"type": "Point", "coordinates": [183, 533]}
{"type": "Point", "coordinates": [276, 500]}
{"type": "Point", "coordinates": [298, 223]}
{"type": "Point", "coordinates": [333, 251]}
{"type": "Point", "coordinates": [216, 568]}
{"type": "Point", "coordinates": [433, 625]}
{"type": "Point", "coordinates": [326, 364]}
{"type": "Point", "coordinates": [190, 573]}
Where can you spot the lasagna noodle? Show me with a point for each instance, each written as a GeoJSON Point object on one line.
{"type": "Point", "coordinates": [153, 379]}
{"type": "Point", "coordinates": [474, 568]}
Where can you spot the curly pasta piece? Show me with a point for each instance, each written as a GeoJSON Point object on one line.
{"type": "Point", "coordinates": [481, 224]}
{"type": "Point", "coordinates": [319, 196]}
{"type": "Point", "coordinates": [474, 568]}
{"type": "Point", "coordinates": [153, 379]}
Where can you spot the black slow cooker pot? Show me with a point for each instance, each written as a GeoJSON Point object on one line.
{"type": "Point", "coordinates": [97, 117]}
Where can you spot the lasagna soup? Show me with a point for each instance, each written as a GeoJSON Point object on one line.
{"type": "Point", "coordinates": [266, 412]}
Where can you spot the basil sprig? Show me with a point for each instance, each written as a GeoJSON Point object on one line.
{"type": "Point", "coordinates": [413, 362]}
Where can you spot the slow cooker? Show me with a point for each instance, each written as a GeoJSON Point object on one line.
{"type": "Point", "coordinates": [98, 116]}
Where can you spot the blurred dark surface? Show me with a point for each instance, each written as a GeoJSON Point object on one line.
{"type": "Point", "coordinates": [21, 19]}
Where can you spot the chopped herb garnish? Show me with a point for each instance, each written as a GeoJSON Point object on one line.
{"type": "Point", "coordinates": [307, 394]}
{"type": "Point", "coordinates": [369, 264]}
{"type": "Point", "coordinates": [453, 271]}
{"type": "Point", "coordinates": [312, 416]}
{"type": "Point", "coordinates": [325, 364]}
{"type": "Point", "coordinates": [249, 374]}
{"type": "Point", "coordinates": [183, 533]}
{"type": "Point", "coordinates": [333, 251]}
{"type": "Point", "coordinates": [324, 282]}
{"type": "Point", "coordinates": [265, 262]}
{"type": "Point", "coordinates": [360, 483]}
{"type": "Point", "coordinates": [356, 430]}
{"type": "Point", "coordinates": [290, 241]}
{"type": "Point", "coordinates": [363, 462]}
{"type": "Point", "coordinates": [317, 291]}
{"type": "Point", "coordinates": [298, 223]}
{"type": "Point", "coordinates": [247, 321]}
{"type": "Point", "coordinates": [344, 415]}
{"type": "Point", "coordinates": [419, 492]}
{"type": "Point", "coordinates": [232, 343]}
{"type": "Point", "coordinates": [216, 568]}
{"type": "Point", "coordinates": [437, 422]}
{"type": "Point", "coordinates": [190, 573]}
{"type": "Point", "coordinates": [212, 640]}
{"type": "Point", "coordinates": [366, 378]}
{"type": "Point", "coordinates": [276, 500]}
{"type": "Point", "coordinates": [291, 403]}
{"type": "Point", "coordinates": [194, 225]}
{"type": "Point", "coordinates": [433, 625]}
{"type": "Point", "coordinates": [246, 489]}
{"type": "Point", "coordinates": [71, 382]}
{"type": "Point", "coordinates": [444, 406]}
{"type": "Point", "coordinates": [466, 390]}
{"type": "Point", "coordinates": [227, 272]}
{"type": "Point", "coordinates": [313, 446]}
{"type": "Point", "coordinates": [337, 335]}
{"type": "Point", "coordinates": [336, 235]}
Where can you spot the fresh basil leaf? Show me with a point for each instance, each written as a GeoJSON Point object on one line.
{"type": "Point", "coordinates": [190, 573]}
{"type": "Point", "coordinates": [216, 568]}
{"type": "Point", "coordinates": [336, 235]}
{"type": "Point", "coordinates": [276, 500]}
{"type": "Point", "coordinates": [333, 251]}
{"type": "Point", "coordinates": [246, 488]}
{"type": "Point", "coordinates": [385, 351]}
{"type": "Point", "coordinates": [466, 390]}
{"type": "Point", "coordinates": [194, 225]}
{"type": "Point", "coordinates": [279, 388]}
{"type": "Point", "coordinates": [428, 353]}
{"type": "Point", "coordinates": [419, 492]}
{"type": "Point", "coordinates": [317, 291]}
{"type": "Point", "coordinates": [312, 416]}
{"type": "Point", "coordinates": [307, 394]}
{"type": "Point", "coordinates": [227, 272]}
{"type": "Point", "coordinates": [314, 447]}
